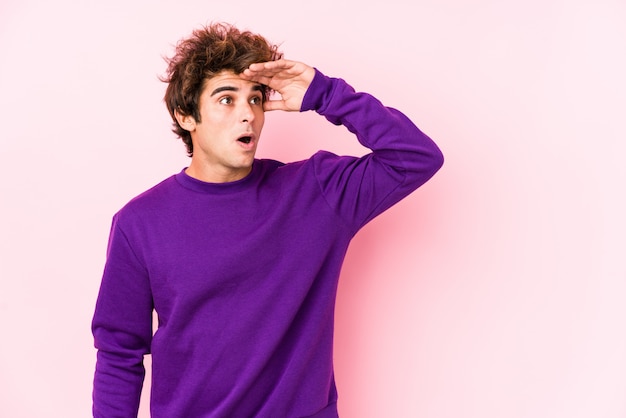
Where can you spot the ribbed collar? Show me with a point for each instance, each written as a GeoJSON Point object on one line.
{"type": "Point", "coordinates": [200, 186]}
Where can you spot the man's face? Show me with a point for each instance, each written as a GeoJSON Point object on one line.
{"type": "Point", "coordinates": [232, 117]}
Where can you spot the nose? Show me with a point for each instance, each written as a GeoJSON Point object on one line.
{"type": "Point", "coordinates": [247, 114]}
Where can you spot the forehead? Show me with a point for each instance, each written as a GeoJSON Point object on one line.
{"type": "Point", "coordinates": [228, 78]}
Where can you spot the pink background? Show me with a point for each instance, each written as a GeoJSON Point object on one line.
{"type": "Point", "coordinates": [496, 290]}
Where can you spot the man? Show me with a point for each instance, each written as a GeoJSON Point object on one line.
{"type": "Point", "coordinates": [240, 257]}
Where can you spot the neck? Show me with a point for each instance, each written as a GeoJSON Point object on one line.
{"type": "Point", "coordinates": [210, 174]}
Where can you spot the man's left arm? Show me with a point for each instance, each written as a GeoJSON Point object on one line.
{"type": "Point", "coordinates": [402, 158]}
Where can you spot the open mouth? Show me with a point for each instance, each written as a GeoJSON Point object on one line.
{"type": "Point", "coordinates": [245, 139]}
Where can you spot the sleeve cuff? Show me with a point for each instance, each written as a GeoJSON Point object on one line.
{"type": "Point", "coordinates": [315, 95]}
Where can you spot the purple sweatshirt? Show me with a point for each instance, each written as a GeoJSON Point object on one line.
{"type": "Point", "coordinates": [243, 275]}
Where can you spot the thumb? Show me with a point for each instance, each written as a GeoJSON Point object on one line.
{"type": "Point", "coordinates": [270, 105]}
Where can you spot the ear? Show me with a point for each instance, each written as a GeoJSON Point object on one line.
{"type": "Point", "coordinates": [187, 122]}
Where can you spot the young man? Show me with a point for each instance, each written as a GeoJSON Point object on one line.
{"type": "Point", "coordinates": [240, 257]}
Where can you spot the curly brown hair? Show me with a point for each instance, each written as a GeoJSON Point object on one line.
{"type": "Point", "coordinates": [207, 52]}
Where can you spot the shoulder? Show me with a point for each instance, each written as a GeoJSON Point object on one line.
{"type": "Point", "coordinates": [146, 201]}
{"type": "Point", "coordinates": [268, 165]}
{"type": "Point", "coordinates": [302, 168]}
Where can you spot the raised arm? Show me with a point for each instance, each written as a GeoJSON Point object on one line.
{"type": "Point", "coordinates": [402, 158]}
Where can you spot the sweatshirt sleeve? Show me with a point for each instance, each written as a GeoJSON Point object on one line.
{"type": "Point", "coordinates": [122, 330]}
{"type": "Point", "coordinates": [402, 158]}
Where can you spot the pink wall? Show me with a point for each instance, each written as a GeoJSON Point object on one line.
{"type": "Point", "coordinates": [496, 290]}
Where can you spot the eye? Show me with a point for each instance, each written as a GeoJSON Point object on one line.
{"type": "Point", "coordinates": [226, 100]}
{"type": "Point", "coordinates": [256, 100]}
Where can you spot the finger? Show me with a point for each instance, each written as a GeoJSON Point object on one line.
{"type": "Point", "coordinates": [272, 69]}
{"type": "Point", "coordinates": [271, 105]}
{"type": "Point", "coordinates": [257, 77]}
{"type": "Point", "coordinates": [261, 74]}
{"type": "Point", "coordinates": [277, 65]}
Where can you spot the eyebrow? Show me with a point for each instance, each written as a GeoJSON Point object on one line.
{"type": "Point", "coordinates": [257, 87]}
